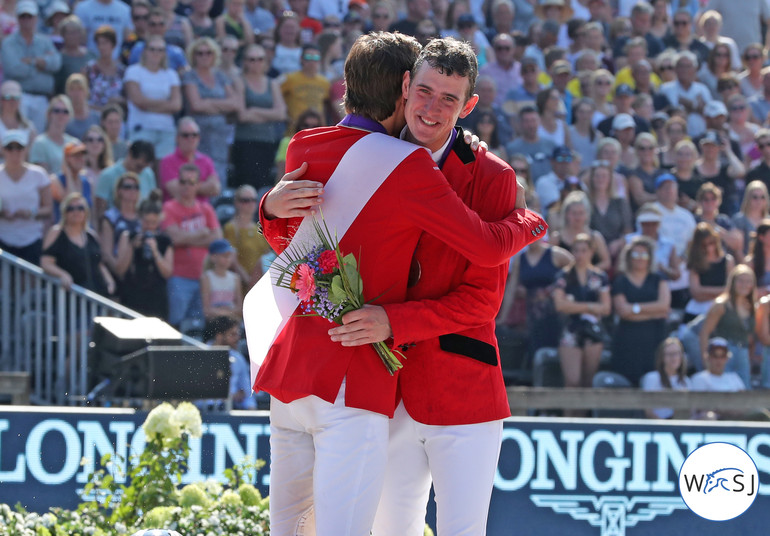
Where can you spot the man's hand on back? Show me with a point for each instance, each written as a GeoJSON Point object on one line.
{"type": "Point", "coordinates": [293, 198]}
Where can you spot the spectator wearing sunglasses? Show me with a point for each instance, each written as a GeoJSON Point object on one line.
{"type": "Point", "coordinates": [121, 217]}
{"type": "Point", "coordinates": [188, 137]}
{"type": "Point", "coordinates": [242, 232]}
{"type": "Point", "coordinates": [306, 89]}
{"type": "Point", "coordinates": [11, 117]}
{"type": "Point", "coordinates": [25, 194]}
{"type": "Point", "coordinates": [71, 250]}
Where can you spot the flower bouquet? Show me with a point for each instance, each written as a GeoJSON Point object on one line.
{"type": "Point", "coordinates": [327, 283]}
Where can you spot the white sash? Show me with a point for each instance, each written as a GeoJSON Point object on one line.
{"type": "Point", "coordinates": [364, 167]}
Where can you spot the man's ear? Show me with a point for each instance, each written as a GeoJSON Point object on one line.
{"type": "Point", "coordinates": [405, 84]}
{"type": "Point", "coordinates": [469, 106]}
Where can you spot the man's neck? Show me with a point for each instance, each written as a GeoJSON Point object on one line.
{"type": "Point", "coordinates": [436, 148]}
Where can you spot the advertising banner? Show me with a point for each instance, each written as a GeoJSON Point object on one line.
{"type": "Point", "coordinates": [555, 476]}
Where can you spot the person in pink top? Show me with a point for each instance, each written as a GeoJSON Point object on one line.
{"type": "Point", "coordinates": [188, 136]}
{"type": "Point", "coordinates": [192, 226]}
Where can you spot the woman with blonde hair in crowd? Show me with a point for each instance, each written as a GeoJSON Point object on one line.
{"type": "Point", "coordinates": [83, 116]}
{"type": "Point", "coordinates": [610, 214]}
{"type": "Point", "coordinates": [755, 207]}
{"type": "Point", "coordinates": [687, 177]}
{"type": "Point", "coordinates": [675, 131]}
{"type": "Point", "coordinates": [642, 300]}
{"type": "Point", "coordinates": [582, 294]}
{"type": "Point", "coordinates": [71, 250]}
{"type": "Point", "coordinates": [255, 145]}
{"type": "Point", "coordinates": [243, 233]}
{"type": "Point", "coordinates": [154, 95]}
{"type": "Point", "coordinates": [733, 317]}
{"type": "Point", "coordinates": [575, 219]}
{"type": "Point", "coordinates": [11, 117]}
{"type": "Point", "coordinates": [600, 88]}
{"type": "Point", "coordinates": [670, 373]}
{"type": "Point", "coordinates": [641, 180]}
{"type": "Point", "coordinates": [48, 148]}
{"type": "Point", "coordinates": [121, 216]}
{"type": "Point", "coordinates": [98, 152]}
{"type": "Point", "coordinates": [211, 97]}
{"type": "Point", "coordinates": [609, 149]}
{"type": "Point", "coordinates": [708, 266]}
{"type": "Point", "coordinates": [383, 15]}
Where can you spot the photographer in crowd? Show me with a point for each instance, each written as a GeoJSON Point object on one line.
{"type": "Point", "coordinates": [145, 260]}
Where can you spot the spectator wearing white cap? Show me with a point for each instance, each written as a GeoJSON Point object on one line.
{"type": "Point", "coordinates": [31, 59]}
{"type": "Point", "coordinates": [624, 130]}
{"type": "Point", "coordinates": [10, 111]}
{"type": "Point", "coordinates": [715, 114]}
{"type": "Point", "coordinates": [25, 199]}
{"type": "Point", "coordinates": [623, 99]}
{"type": "Point", "coordinates": [666, 262]}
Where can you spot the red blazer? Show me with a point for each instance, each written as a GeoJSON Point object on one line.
{"type": "Point", "coordinates": [454, 377]}
{"type": "Point", "coordinates": [414, 198]}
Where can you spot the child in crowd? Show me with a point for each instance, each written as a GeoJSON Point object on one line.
{"type": "Point", "coordinates": [221, 288]}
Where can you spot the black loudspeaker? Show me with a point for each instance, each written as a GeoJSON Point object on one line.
{"type": "Point", "coordinates": [112, 338]}
{"type": "Point", "coordinates": [122, 336]}
{"type": "Point", "coordinates": [173, 372]}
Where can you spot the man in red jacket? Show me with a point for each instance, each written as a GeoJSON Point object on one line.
{"type": "Point", "coordinates": [448, 425]}
{"type": "Point", "coordinates": [330, 403]}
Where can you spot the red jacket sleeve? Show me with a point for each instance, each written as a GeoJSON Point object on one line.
{"type": "Point", "coordinates": [476, 292]}
{"type": "Point", "coordinates": [434, 207]}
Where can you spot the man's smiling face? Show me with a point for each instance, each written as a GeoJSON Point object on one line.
{"type": "Point", "coordinates": [434, 102]}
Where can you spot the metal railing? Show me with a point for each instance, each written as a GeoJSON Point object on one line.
{"type": "Point", "coordinates": [45, 330]}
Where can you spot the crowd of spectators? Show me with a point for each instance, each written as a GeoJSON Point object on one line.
{"type": "Point", "coordinates": [138, 138]}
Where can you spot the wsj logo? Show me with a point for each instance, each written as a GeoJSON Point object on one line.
{"type": "Point", "coordinates": [718, 481]}
{"type": "Point", "coordinates": [727, 479]}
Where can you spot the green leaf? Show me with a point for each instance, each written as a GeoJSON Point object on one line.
{"type": "Point", "coordinates": [337, 293]}
{"type": "Point", "coordinates": [350, 260]}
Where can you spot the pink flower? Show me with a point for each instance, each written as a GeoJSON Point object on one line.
{"type": "Point", "coordinates": [327, 261]}
{"type": "Point", "coordinates": [305, 283]}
